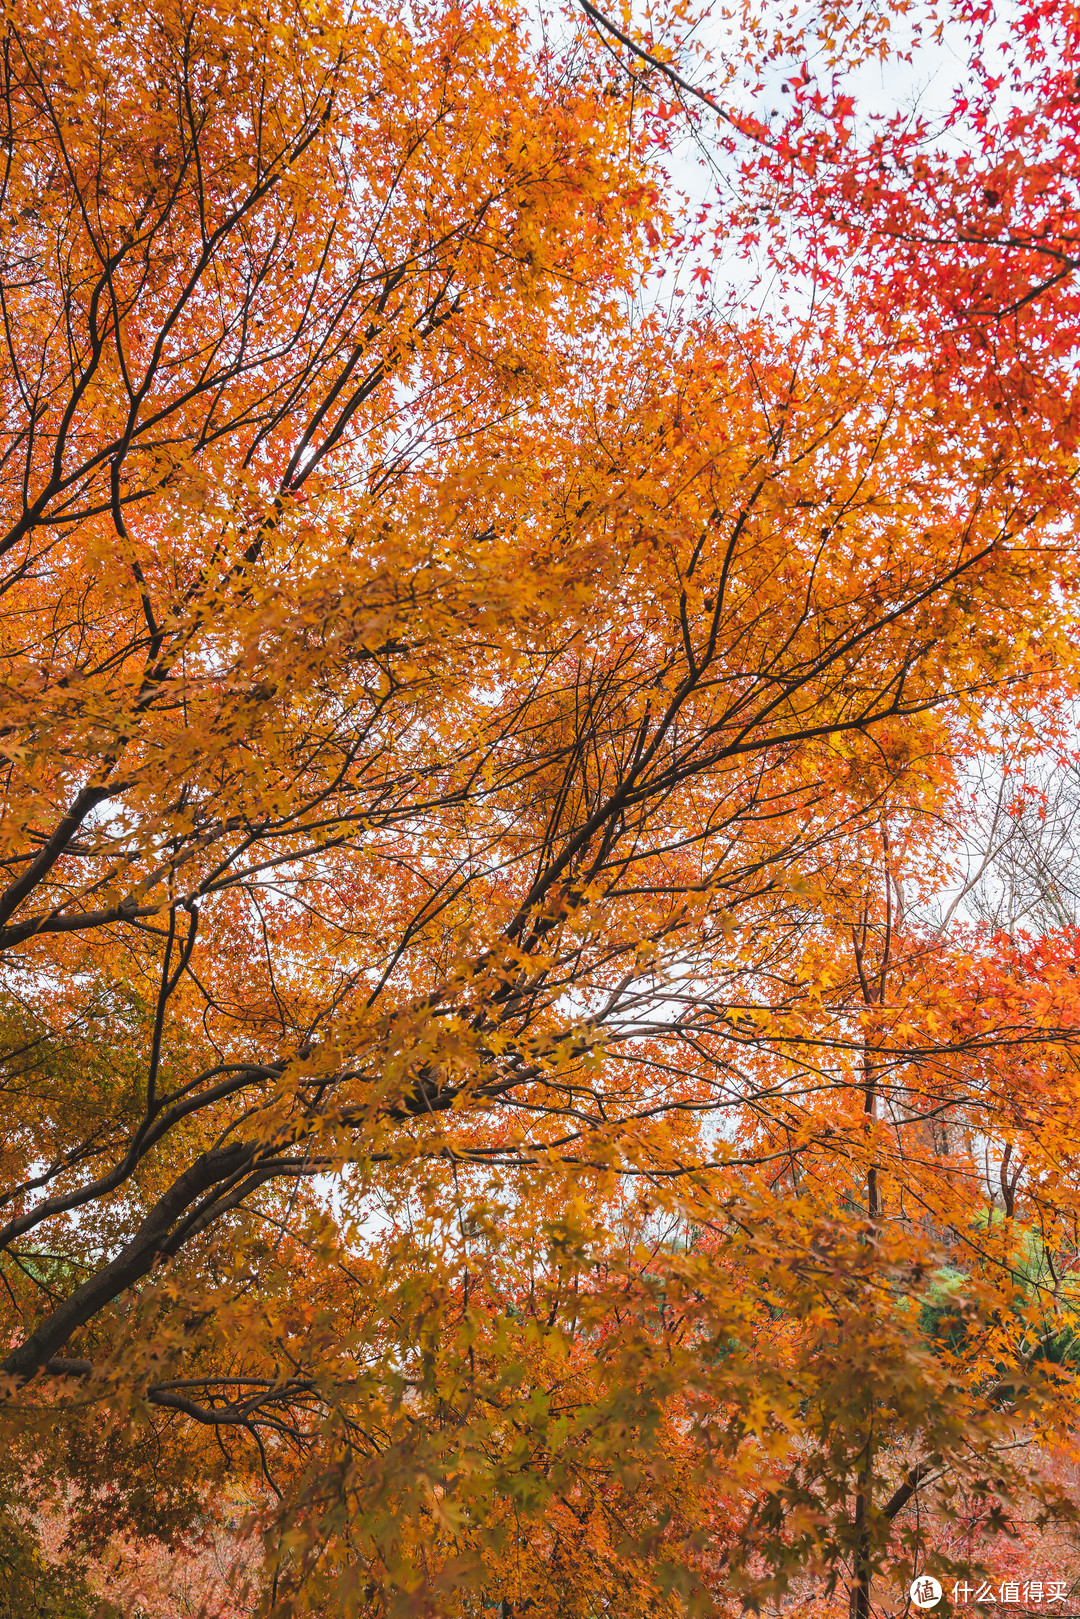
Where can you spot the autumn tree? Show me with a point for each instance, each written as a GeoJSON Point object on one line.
{"type": "Point", "coordinates": [463, 730]}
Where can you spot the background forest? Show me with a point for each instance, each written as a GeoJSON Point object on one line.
{"type": "Point", "coordinates": [539, 648]}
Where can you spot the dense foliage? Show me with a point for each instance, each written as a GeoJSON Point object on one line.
{"type": "Point", "coordinates": [505, 1103]}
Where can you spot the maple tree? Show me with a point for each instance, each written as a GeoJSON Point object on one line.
{"type": "Point", "coordinates": [482, 1099]}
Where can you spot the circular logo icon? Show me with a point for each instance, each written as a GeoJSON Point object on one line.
{"type": "Point", "coordinates": [925, 1591]}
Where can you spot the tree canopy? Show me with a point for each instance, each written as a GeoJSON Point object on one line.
{"type": "Point", "coordinates": [503, 1099]}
